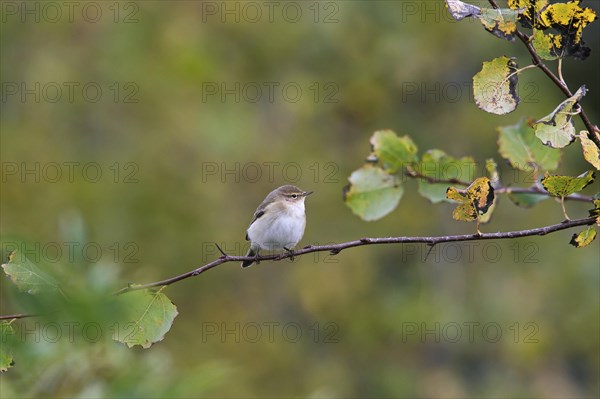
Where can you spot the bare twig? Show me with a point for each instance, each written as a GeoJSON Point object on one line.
{"type": "Point", "coordinates": [17, 316]}
{"type": "Point", "coordinates": [433, 180]}
{"type": "Point", "coordinates": [336, 248]}
{"type": "Point", "coordinates": [536, 191]}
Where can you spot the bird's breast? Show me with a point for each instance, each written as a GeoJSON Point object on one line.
{"type": "Point", "coordinates": [279, 227]}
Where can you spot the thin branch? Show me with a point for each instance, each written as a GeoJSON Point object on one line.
{"type": "Point", "coordinates": [498, 190]}
{"type": "Point", "coordinates": [433, 180]}
{"type": "Point", "coordinates": [563, 87]}
{"type": "Point", "coordinates": [17, 316]}
{"type": "Point", "coordinates": [536, 191]}
{"type": "Point", "coordinates": [337, 248]}
{"type": "Point", "coordinates": [494, 4]}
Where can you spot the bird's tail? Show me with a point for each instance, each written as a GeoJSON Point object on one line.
{"type": "Point", "coordinates": [247, 263]}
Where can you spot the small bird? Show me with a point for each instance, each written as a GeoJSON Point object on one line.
{"type": "Point", "coordinates": [278, 222]}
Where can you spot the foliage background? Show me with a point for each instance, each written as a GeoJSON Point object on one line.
{"type": "Point", "coordinates": [374, 53]}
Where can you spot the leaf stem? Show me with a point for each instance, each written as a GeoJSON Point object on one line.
{"type": "Point", "coordinates": [507, 78]}
{"type": "Point", "coordinates": [433, 180]}
{"type": "Point", "coordinates": [560, 75]}
{"type": "Point", "coordinates": [562, 204]}
{"type": "Point", "coordinates": [519, 71]}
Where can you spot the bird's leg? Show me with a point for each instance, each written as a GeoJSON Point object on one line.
{"type": "Point", "coordinates": [257, 256]}
{"type": "Point", "coordinates": [291, 252]}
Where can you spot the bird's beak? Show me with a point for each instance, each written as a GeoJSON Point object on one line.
{"type": "Point", "coordinates": [307, 193]}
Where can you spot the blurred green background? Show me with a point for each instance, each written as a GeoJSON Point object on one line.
{"type": "Point", "coordinates": [137, 134]}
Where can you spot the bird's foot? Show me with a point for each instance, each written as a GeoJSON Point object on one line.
{"type": "Point", "coordinates": [291, 252]}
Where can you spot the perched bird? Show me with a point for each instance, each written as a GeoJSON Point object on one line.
{"type": "Point", "coordinates": [278, 222]}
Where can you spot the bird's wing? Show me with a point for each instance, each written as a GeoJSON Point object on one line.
{"type": "Point", "coordinates": [259, 212]}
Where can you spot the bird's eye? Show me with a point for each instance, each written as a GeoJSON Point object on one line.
{"type": "Point", "coordinates": [294, 196]}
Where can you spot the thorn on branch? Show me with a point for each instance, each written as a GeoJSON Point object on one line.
{"type": "Point", "coordinates": [335, 251]}
{"type": "Point", "coordinates": [431, 245]}
{"type": "Point", "coordinates": [220, 250]}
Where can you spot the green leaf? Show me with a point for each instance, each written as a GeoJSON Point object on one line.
{"type": "Point", "coordinates": [27, 276]}
{"type": "Point", "coordinates": [547, 46]}
{"type": "Point", "coordinates": [557, 130]}
{"type": "Point", "coordinates": [562, 186]}
{"type": "Point", "coordinates": [6, 335]}
{"type": "Point", "coordinates": [436, 164]}
{"type": "Point", "coordinates": [145, 317]}
{"type": "Point", "coordinates": [392, 151]}
{"type": "Point", "coordinates": [372, 193]}
{"type": "Point", "coordinates": [526, 200]}
{"type": "Point", "coordinates": [495, 86]}
{"type": "Point", "coordinates": [584, 238]}
{"type": "Point", "coordinates": [518, 144]}
{"type": "Point", "coordinates": [476, 200]}
{"type": "Point", "coordinates": [591, 152]}
{"type": "Point", "coordinates": [500, 22]}
{"type": "Point", "coordinates": [596, 211]}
